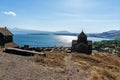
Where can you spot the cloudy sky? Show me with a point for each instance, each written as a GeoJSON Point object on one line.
{"type": "Point", "coordinates": [56, 15]}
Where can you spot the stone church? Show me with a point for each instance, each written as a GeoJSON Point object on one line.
{"type": "Point", "coordinates": [82, 45]}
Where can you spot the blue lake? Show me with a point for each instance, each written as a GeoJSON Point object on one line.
{"type": "Point", "coordinates": [48, 40]}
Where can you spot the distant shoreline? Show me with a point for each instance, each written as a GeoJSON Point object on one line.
{"type": "Point", "coordinates": [71, 34]}
{"type": "Point", "coordinates": [53, 34]}
{"type": "Point", "coordinates": [39, 34]}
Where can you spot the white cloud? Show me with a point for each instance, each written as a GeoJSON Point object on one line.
{"type": "Point", "coordinates": [10, 13]}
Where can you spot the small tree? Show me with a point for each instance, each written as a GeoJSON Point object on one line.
{"type": "Point", "coordinates": [118, 50]}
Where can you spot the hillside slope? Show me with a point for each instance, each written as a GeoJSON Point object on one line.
{"type": "Point", "coordinates": [60, 66]}
{"type": "Point", "coordinates": [109, 34]}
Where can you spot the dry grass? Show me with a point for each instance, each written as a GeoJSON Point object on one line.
{"type": "Point", "coordinates": [60, 66]}
{"type": "Point", "coordinates": [82, 58]}
{"type": "Point", "coordinates": [1, 49]}
{"type": "Point", "coordinates": [103, 74]}
{"type": "Point", "coordinates": [51, 60]}
{"type": "Point", "coordinates": [101, 66]}
{"type": "Point", "coordinates": [104, 66]}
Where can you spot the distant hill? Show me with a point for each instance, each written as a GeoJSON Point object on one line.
{"type": "Point", "coordinates": [65, 33]}
{"type": "Point", "coordinates": [37, 32]}
{"type": "Point", "coordinates": [62, 32]}
{"type": "Point", "coordinates": [109, 34]}
{"type": "Point", "coordinates": [26, 31]}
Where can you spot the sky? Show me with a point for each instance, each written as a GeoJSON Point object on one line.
{"type": "Point", "coordinates": [61, 15]}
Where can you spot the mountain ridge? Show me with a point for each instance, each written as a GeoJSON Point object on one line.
{"type": "Point", "coordinates": [108, 34]}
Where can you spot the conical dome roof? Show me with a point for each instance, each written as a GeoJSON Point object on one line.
{"type": "Point", "coordinates": [82, 34]}
{"type": "Point", "coordinates": [82, 37]}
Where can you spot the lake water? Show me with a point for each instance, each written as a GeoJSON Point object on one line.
{"type": "Point", "coordinates": [47, 40]}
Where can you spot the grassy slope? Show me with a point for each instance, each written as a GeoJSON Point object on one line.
{"type": "Point", "coordinates": [60, 66]}
{"type": "Point", "coordinates": [101, 66]}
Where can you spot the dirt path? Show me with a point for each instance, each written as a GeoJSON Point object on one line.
{"type": "Point", "coordinates": [16, 67]}
{"type": "Point", "coordinates": [73, 72]}
{"type": "Point", "coordinates": [78, 67]}
{"type": "Point", "coordinates": [69, 63]}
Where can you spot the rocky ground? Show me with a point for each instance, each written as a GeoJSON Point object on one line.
{"type": "Point", "coordinates": [60, 66]}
